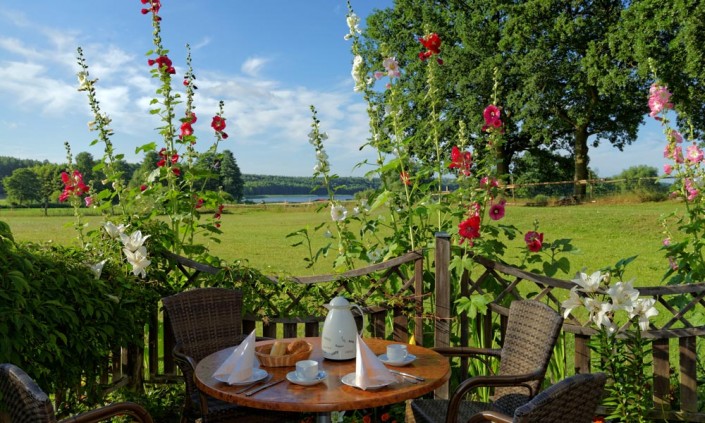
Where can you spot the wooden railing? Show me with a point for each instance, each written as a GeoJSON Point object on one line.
{"type": "Point", "coordinates": [517, 283]}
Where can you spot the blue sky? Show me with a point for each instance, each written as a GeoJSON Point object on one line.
{"type": "Point", "coordinates": [267, 59]}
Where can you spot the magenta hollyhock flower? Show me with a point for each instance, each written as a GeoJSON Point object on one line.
{"type": "Point", "coordinates": [469, 228]}
{"type": "Point", "coordinates": [497, 210]}
{"type": "Point", "coordinates": [491, 114]}
{"type": "Point", "coordinates": [694, 154]}
{"type": "Point", "coordinates": [460, 160]}
{"type": "Point", "coordinates": [534, 241]}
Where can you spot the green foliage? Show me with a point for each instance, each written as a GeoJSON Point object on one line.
{"type": "Point", "coordinates": [58, 322]}
{"type": "Point", "coordinates": [163, 402]}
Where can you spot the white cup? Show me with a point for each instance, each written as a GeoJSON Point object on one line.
{"type": "Point", "coordinates": [396, 352]}
{"type": "Point", "coordinates": [307, 369]}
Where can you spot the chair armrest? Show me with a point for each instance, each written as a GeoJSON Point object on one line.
{"type": "Point", "coordinates": [182, 360]}
{"type": "Point", "coordinates": [467, 351]}
{"type": "Point", "coordinates": [489, 416]}
{"type": "Point", "coordinates": [132, 409]}
{"type": "Point", "coordinates": [489, 381]}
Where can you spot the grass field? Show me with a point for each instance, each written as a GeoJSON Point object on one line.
{"type": "Point", "coordinates": [602, 233]}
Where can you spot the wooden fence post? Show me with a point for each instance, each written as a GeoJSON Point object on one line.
{"type": "Point", "coordinates": [442, 317]}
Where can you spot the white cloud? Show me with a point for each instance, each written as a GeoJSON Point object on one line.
{"type": "Point", "coordinates": [253, 66]}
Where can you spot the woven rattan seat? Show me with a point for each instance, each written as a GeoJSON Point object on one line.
{"type": "Point", "coordinates": [532, 331]}
{"type": "Point", "coordinates": [574, 400]}
{"type": "Point", "coordinates": [25, 402]}
{"type": "Point", "coordinates": [206, 320]}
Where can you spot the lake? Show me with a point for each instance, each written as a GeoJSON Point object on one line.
{"type": "Point", "coordinates": [293, 198]}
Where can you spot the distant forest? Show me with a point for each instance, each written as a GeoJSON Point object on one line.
{"type": "Point", "coordinates": [301, 185]}
{"type": "Point", "coordinates": [253, 185]}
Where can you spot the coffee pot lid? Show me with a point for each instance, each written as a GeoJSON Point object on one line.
{"type": "Point", "coordinates": [339, 302]}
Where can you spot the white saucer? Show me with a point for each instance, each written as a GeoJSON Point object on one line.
{"type": "Point", "coordinates": [293, 378]}
{"type": "Point", "coordinates": [349, 379]}
{"type": "Point", "coordinates": [257, 375]}
{"type": "Point", "coordinates": [407, 360]}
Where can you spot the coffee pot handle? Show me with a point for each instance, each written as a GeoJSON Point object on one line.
{"type": "Point", "coordinates": [362, 316]}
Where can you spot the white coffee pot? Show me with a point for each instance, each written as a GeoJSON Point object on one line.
{"type": "Point", "coordinates": [339, 330]}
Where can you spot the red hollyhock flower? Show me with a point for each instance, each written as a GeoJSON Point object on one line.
{"type": "Point", "coordinates": [460, 160]}
{"type": "Point", "coordinates": [186, 129]}
{"type": "Point", "coordinates": [161, 163]}
{"type": "Point", "coordinates": [174, 158]}
{"type": "Point", "coordinates": [405, 178]}
{"type": "Point", "coordinates": [163, 63]}
{"type": "Point", "coordinates": [199, 203]}
{"type": "Point", "coordinates": [218, 123]}
{"type": "Point", "coordinates": [176, 171]}
{"type": "Point", "coordinates": [143, 187]}
{"type": "Point", "coordinates": [534, 241]}
{"type": "Point", "coordinates": [469, 228]}
{"type": "Point", "coordinates": [432, 43]}
{"type": "Point", "coordinates": [73, 185]}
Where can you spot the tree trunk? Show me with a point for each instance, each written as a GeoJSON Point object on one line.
{"type": "Point", "coordinates": [581, 162]}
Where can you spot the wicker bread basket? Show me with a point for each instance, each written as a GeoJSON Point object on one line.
{"type": "Point", "coordinates": [262, 354]}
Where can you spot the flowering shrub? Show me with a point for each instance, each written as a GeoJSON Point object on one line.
{"type": "Point", "coordinates": [622, 351]}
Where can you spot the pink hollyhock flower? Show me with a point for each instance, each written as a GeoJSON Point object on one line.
{"type": "Point", "coordinates": [497, 210]}
{"type": "Point", "coordinates": [677, 137]}
{"type": "Point", "coordinates": [487, 182]}
{"type": "Point", "coordinates": [392, 67]}
{"type": "Point", "coordinates": [659, 99]}
{"type": "Point", "coordinates": [88, 200]}
{"type": "Point", "coordinates": [672, 262]}
{"type": "Point", "coordinates": [469, 228]}
{"type": "Point", "coordinates": [379, 75]}
{"type": "Point", "coordinates": [534, 241]}
{"type": "Point", "coordinates": [460, 160]}
{"type": "Point", "coordinates": [691, 190]}
{"type": "Point", "coordinates": [667, 169]}
{"type": "Point", "coordinates": [666, 242]}
{"type": "Point", "coordinates": [694, 154]}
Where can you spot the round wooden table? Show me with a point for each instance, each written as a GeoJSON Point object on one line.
{"type": "Point", "coordinates": [331, 394]}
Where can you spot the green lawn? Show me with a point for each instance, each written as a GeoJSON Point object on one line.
{"type": "Point", "coordinates": [602, 233]}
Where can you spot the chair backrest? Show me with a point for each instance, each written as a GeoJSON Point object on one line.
{"type": "Point", "coordinates": [205, 320]}
{"type": "Point", "coordinates": [22, 398]}
{"type": "Point", "coordinates": [574, 400]}
{"type": "Point", "coordinates": [532, 330]}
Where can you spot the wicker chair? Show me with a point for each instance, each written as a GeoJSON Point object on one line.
{"type": "Point", "coordinates": [571, 400]}
{"type": "Point", "coordinates": [206, 320]}
{"type": "Point", "coordinates": [532, 331]}
{"type": "Point", "coordinates": [25, 401]}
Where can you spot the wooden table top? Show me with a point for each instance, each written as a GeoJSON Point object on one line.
{"type": "Point", "coordinates": [331, 394]}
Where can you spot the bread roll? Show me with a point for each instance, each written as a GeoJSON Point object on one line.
{"type": "Point", "coordinates": [279, 348]}
{"type": "Point", "coordinates": [297, 346]}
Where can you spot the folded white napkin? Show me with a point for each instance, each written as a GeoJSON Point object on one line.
{"type": "Point", "coordinates": [369, 370]}
{"type": "Point", "coordinates": [238, 367]}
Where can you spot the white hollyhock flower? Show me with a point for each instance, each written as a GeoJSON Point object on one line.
{"type": "Point", "coordinates": [338, 212]}
{"type": "Point", "coordinates": [590, 283]}
{"type": "Point", "coordinates": [644, 308]}
{"type": "Point", "coordinates": [623, 296]}
{"type": "Point", "coordinates": [114, 231]}
{"type": "Point", "coordinates": [97, 268]}
{"type": "Point", "coordinates": [133, 241]}
{"type": "Point", "coordinates": [574, 301]}
{"type": "Point", "coordinates": [138, 260]}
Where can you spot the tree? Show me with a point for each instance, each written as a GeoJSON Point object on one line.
{"type": "Point", "coordinates": [666, 41]}
{"type": "Point", "coordinates": [22, 186]}
{"type": "Point", "coordinates": [230, 176]}
{"type": "Point", "coordinates": [49, 176]}
{"type": "Point", "coordinates": [574, 87]}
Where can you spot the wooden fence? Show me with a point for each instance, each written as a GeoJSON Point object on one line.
{"type": "Point", "coordinates": [408, 306]}
{"type": "Point", "coordinates": [517, 283]}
